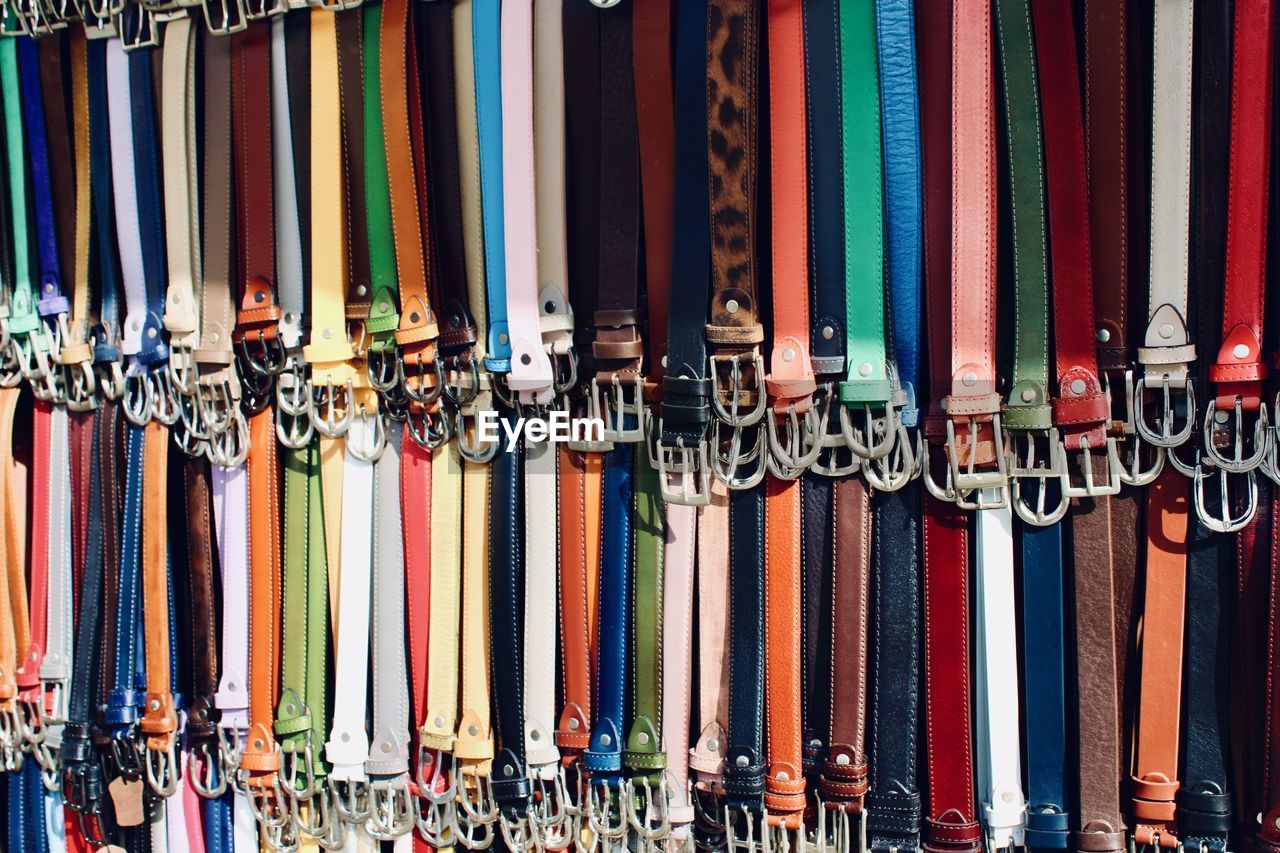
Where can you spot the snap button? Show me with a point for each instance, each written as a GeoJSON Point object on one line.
{"type": "Point", "coordinates": [503, 339]}
{"type": "Point", "coordinates": [788, 354]}
{"type": "Point", "coordinates": [642, 738]}
{"type": "Point", "coordinates": [473, 730]}
{"type": "Point", "coordinates": [439, 722]}
{"type": "Point", "coordinates": [1166, 330]}
{"type": "Point", "coordinates": [842, 759]}
{"type": "Point", "coordinates": [1103, 335]}
{"type": "Point", "coordinates": [970, 379]}
{"type": "Point", "coordinates": [865, 368]}
{"type": "Point", "coordinates": [782, 776]}
{"type": "Point", "coordinates": [713, 745]}
{"type": "Point", "coordinates": [742, 761]}
{"type": "Point", "coordinates": [828, 333]}
{"type": "Point", "coordinates": [574, 724]}
{"type": "Point", "coordinates": [731, 306]}
{"type": "Point", "coordinates": [1240, 351]}
{"type": "Point", "coordinates": [1077, 386]}
{"type": "Point", "coordinates": [1028, 395]}
{"type": "Point", "coordinates": [606, 740]}
{"type": "Point", "coordinates": [361, 290]}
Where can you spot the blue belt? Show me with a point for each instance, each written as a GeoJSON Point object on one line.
{"type": "Point", "coordinates": [125, 698]}
{"type": "Point", "coordinates": [106, 334]}
{"type": "Point", "coordinates": [603, 757]}
{"type": "Point", "coordinates": [146, 159]}
{"type": "Point", "coordinates": [50, 301]}
{"type": "Point", "coordinates": [486, 42]}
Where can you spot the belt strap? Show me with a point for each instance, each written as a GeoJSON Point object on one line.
{"type": "Point", "coordinates": [645, 756]}
{"type": "Point", "coordinates": [708, 754]}
{"type": "Point", "coordinates": [530, 375]}
{"type": "Point", "coordinates": [682, 440]}
{"type": "Point", "coordinates": [744, 767]}
{"type": "Point", "coordinates": [579, 529]}
{"type": "Point", "coordinates": [539, 605]}
{"type": "Point", "coordinates": [677, 661]}
{"type": "Point", "coordinates": [955, 54]}
{"type": "Point", "coordinates": [485, 33]}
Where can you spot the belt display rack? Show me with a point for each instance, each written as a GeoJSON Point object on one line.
{"type": "Point", "coordinates": [602, 425]}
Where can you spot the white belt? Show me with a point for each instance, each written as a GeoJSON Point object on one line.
{"type": "Point", "coordinates": [999, 766]}
{"type": "Point", "coordinates": [540, 628]}
{"type": "Point", "coordinates": [124, 182]}
{"type": "Point", "coordinates": [181, 191]}
{"type": "Point", "coordinates": [55, 667]}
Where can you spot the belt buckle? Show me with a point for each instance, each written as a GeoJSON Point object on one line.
{"type": "Point", "coordinates": [1023, 446]}
{"type": "Point", "coordinates": [1091, 488]}
{"type": "Point", "coordinates": [727, 399]}
{"type": "Point", "coordinates": [476, 811]}
{"type": "Point", "coordinates": [225, 17]}
{"type": "Point", "coordinates": [655, 804]}
{"type": "Point", "coordinates": [390, 811]}
{"type": "Point", "coordinates": [1237, 462]}
{"type": "Point", "coordinates": [327, 400]}
{"type": "Point", "coordinates": [204, 765]}
{"type": "Point", "coordinates": [605, 814]}
{"type": "Point", "coordinates": [438, 791]}
{"type": "Point", "coordinates": [464, 364]}
{"type": "Point", "coordinates": [791, 455]}
{"type": "Point", "coordinates": [474, 449]}
{"type": "Point", "coordinates": [971, 480]}
{"type": "Point", "coordinates": [684, 473]}
{"type": "Point", "coordinates": [139, 31]}
{"type": "Point", "coordinates": [553, 818]}
{"type": "Point", "coordinates": [1166, 430]}
{"type": "Point", "coordinates": [313, 815]}
{"type": "Point", "coordinates": [613, 407]}
{"type": "Point", "coordinates": [230, 447]}
{"type": "Point", "coordinates": [828, 461]}
{"type": "Point", "coordinates": [162, 768]}
{"type": "Point", "coordinates": [1226, 520]}
{"type": "Point", "coordinates": [740, 830]}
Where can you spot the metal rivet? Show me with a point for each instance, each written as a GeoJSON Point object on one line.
{"type": "Point", "coordinates": [815, 743]}
{"type": "Point", "coordinates": [288, 318]}
{"type": "Point", "coordinates": [439, 722]}
{"type": "Point", "coordinates": [731, 306]}
{"type": "Point", "coordinates": [526, 359]}
{"type": "Point", "coordinates": [1103, 335]}
{"type": "Point", "coordinates": [1077, 386]}
{"type": "Point", "coordinates": [828, 333]}
{"type": "Point", "coordinates": [291, 708]}
{"type": "Point", "coordinates": [642, 738]}
{"type": "Point", "coordinates": [428, 758]}
{"type": "Point", "coordinates": [788, 354]}
{"type": "Point", "coordinates": [503, 339]}
{"type": "Point", "coordinates": [473, 730]}
{"type": "Point", "coordinates": [574, 724]}
{"type": "Point", "coordinates": [1007, 796]}
{"type": "Point", "coordinates": [535, 735]}
{"type": "Point", "coordinates": [361, 290]}
{"type": "Point", "coordinates": [231, 686]}
{"type": "Point", "coordinates": [383, 307]}
{"type": "Point", "coordinates": [865, 368]}
{"type": "Point", "coordinates": [154, 704]}
{"type": "Point", "coordinates": [48, 288]}
{"type": "Point", "coordinates": [386, 747]}
{"type": "Point", "coordinates": [782, 776]}
{"type": "Point", "coordinates": [215, 337]}
{"type": "Point", "coordinates": [177, 297]}
{"type": "Point", "coordinates": [346, 737]}
{"type": "Point", "coordinates": [259, 296]}
{"type": "Point", "coordinates": [508, 769]}
{"type": "Point", "coordinates": [741, 761]}
{"type": "Point", "coordinates": [713, 745]}
{"type": "Point", "coordinates": [455, 321]}
{"type": "Point", "coordinates": [151, 333]}
{"type": "Point", "coordinates": [1221, 416]}
{"type": "Point", "coordinates": [326, 334]}
{"type": "Point", "coordinates": [842, 759]}
{"type": "Point", "coordinates": [1028, 395]}
{"type": "Point", "coordinates": [1166, 330]}
{"type": "Point", "coordinates": [414, 316]}
{"type": "Point", "coordinates": [549, 307]}
{"type": "Point", "coordinates": [970, 379]}
{"type": "Point", "coordinates": [605, 740]}
{"type": "Point", "coordinates": [1240, 351]}
{"type": "Point", "coordinates": [258, 744]}
{"type": "Point", "coordinates": [664, 362]}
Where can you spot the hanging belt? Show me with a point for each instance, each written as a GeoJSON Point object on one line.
{"type": "Point", "coordinates": [953, 259]}
{"type": "Point", "coordinates": [23, 325]}
{"type": "Point", "coordinates": [1239, 371]}
{"type": "Point", "coordinates": [1027, 414]}
{"type": "Point", "coordinates": [530, 375]}
{"type": "Point", "coordinates": [1205, 798]}
{"type": "Point", "coordinates": [417, 330]}
{"type": "Point", "coordinates": [682, 434]}
{"type": "Point", "coordinates": [790, 386]}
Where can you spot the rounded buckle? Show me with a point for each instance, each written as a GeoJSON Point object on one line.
{"type": "Point", "coordinates": [1165, 431]}
{"type": "Point", "coordinates": [1237, 462]}
{"type": "Point", "coordinates": [162, 769]}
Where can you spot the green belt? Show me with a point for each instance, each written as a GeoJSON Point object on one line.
{"type": "Point", "coordinates": [643, 755]}
{"type": "Point", "coordinates": [23, 320]}
{"type": "Point", "coordinates": [300, 717]}
{"type": "Point", "coordinates": [867, 374]}
{"type": "Point", "coordinates": [384, 313]}
{"type": "Point", "coordinates": [1028, 405]}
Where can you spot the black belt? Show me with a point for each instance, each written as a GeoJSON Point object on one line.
{"type": "Point", "coordinates": [511, 788]}
{"type": "Point", "coordinates": [744, 769]}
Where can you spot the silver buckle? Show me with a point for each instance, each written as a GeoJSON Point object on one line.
{"type": "Point", "coordinates": [1237, 462]}
{"type": "Point", "coordinates": [684, 473]}
{"type": "Point", "coordinates": [1025, 465]}
{"type": "Point", "coordinates": [1225, 521]}
{"type": "Point", "coordinates": [1091, 488]}
{"type": "Point", "coordinates": [613, 408]}
{"type": "Point", "coordinates": [791, 456]}
{"type": "Point", "coordinates": [1165, 430]}
{"type": "Point", "coordinates": [971, 480]}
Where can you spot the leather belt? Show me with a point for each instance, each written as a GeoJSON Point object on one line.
{"type": "Point", "coordinates": [954, 257]}
{"type": "Point", "coordinates": [733, 331]}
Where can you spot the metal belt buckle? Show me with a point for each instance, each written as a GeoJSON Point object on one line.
{"type": "Point", "coordinates": [164, 400]}
{"type": "Point", "coordinates": [313, 815]}
{"type": "Point", "coordinates": [605, 813]}
{"type": "Point", "coordinates": [367, 435]}
{"type": "Point", "coordinates": [553, 819]}
{"type": "Point", "coordinates": [33, 363]}
{"type": "Point", "coordinates": [1032, 458]}
{"type": "Point", "coordinates": [294, 427]}
{"type": "Point", "coordinates": [390, 810]}
{"type": "Point", "coordinates": [732, 414]}
{"type": "Point", "coordinates": [1226, 520]}
{"type": "Point", "coordinates": [216, 407]}
{"type": "Point", "coordinates": [1167, 429]}
{"type": "Point", "coordinates": [1216, 420]}
{"type": "Point", "coordinates": [413, 390]}
{"type": "Point", "coordinates": [475, 812]}
{"type": "Point", "coordinates": [382, 364]}
{"type": "Point", "coordinates": [612, 409]}
{"type": "Point", "coordinates": [834, 457]}
{"type": "Point", "coordinates": [327, 401]}
{"type": "Point", "coordinates": [791, 456]}
{"type": "Point", "coordinates": [878, 433]}
{"type": "Point", "coordinates": [1091, 488]}
{"type": "Point", "coordinates": [225, 17]}
{"type": "Point", "coordinates": [684, 473]}
{"type": "Point", "coordinates": [439, 791]}
{"type": "Point", "coordinates": [138, 27]}
{"type": "Point", "coordinates": [230, 447]}
{"type": "Point", "coordinates": [204, 766]}
{"type": "Point", "coordinates": [728, 459]}
{"type": "Point", "coordinates": [990, 486]}
{"type": "Point", "coordinates": [741, 833]}
{"type": "Point", "coordinates": [349, 799]}
{"type": "Point", "coordinates": [902, 465]}
{"type": "Point", "coordinates": [138, 391]}
{"type": "Point", "coordinates": [429, 426]}
{"type": "Point", "coordinates": [257, 10]}
{"type": "Point", "coordinates": [162, 768]}
{"type": "Point", "coordinates": [470, 445]}
{"type": "Point", "coordinates": [643, 804]}
{"type": "Point", "coordinates": [456, 367]}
